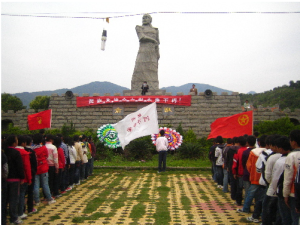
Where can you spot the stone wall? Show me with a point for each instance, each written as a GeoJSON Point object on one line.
{"type": "Point", "coordinates": [202, 112]}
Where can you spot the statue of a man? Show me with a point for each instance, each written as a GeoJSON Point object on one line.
{"type": "Point", "coordinates": [146, 64]}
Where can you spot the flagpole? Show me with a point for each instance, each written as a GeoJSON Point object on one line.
{"type": "Point", "coordinates": [252, 121]}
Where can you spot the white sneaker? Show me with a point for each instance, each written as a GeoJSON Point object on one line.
{"type": "Point", "coordinates": [23, 216]}
{"type": "Point", "coordinates": [18, 221]}
{"type": "Point", "coordinates": [51, 201]}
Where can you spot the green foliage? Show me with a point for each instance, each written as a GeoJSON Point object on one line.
{"type": "Point", "coordinates": [105, 153]}
{"type": "Point", "coordinates": [191, 150]}
{"type": "Point", "coordinates": [282, 126]}
{"type": "Point", "coordinates": [16, 130]}
{"type": "Point", "coordinates": [180, 130]}
{"type": "Point", "coordinates": [190, 136]}
{"type": "Point", "coordinates": [285, 96]}
{"type": "Point", "coordinates": [40, 102]}
{"type": "Point", "coordinates": [140, 149]}
{"type": "Point", "coordinates": [67, 130]}
{"type": "Point", "coordinates": [10, 102]}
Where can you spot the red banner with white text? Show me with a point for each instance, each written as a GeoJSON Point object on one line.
{"type": "Point", "coordinates": [184, 100]}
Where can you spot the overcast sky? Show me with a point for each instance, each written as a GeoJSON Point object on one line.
{"type": "Point", "coordinates": [236, 51]}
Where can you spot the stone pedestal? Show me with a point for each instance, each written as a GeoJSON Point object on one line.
{"type": "Point", "coordinates": [137, 93]}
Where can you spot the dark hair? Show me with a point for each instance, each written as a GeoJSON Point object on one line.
{"type": "Point", "coordinates": [256, 133]}
{"type": "Point", "coordinates": [162, 132]}
{"type": "Point", "coordinates": [21, 139]}
{"type": "Point", "coordinates": [242, 140]}
{"type": "Point", "coordinates": [273, 139]}
{"type": "Point", "coordinates": [11, 139]}
{"type": "Point", "coordinates": [83, 137]}
{"type": "Point", "coordinates": [76, 138]}
{"type": "Point", "coordinates": [251, 140]}
{"type": "Point", "coordinates": [219, 140]}
{"type": "Point", "coordinates": [42, 131]}
{"type": "Point", "coordinates": [28, 140]}
{"type": "Point", "coordinates": [262, 140]}
{"type": "Point", "coordinates": [37, 138]}
{"type": "Point", "coordinates": [235, 140]}
{"type": "Point", "coordinates": [69, 141]}
{"type": "Point", "coordinates": [57, 142]}
{"type": "Point", "coordinates": [229, 141]}
{"type": "Point", "coordinates": [50, 137]}
{"type": "Point", "coordinates": [284, 143]}
{"type": "Point", "coordinates": [295, 136]}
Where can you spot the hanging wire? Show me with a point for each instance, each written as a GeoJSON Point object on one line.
{"type": "Point", "coordinates": [53, 15]}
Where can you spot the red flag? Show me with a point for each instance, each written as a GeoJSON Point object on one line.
{"type": "Point", "coordinates": [39, 120]}
{"type": "Point", "coordinates": [232, 126]}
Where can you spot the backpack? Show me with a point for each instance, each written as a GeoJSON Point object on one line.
{"type": "Point", "coordinates": [264, 166]}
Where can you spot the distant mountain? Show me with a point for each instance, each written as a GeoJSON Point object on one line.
{"type": "Point", "coordinates": [91, 88]}
{"type": "Point", "coordinates": [200, 87]}
{"type": "Point", "coordinates": [107, 87]}
{"type": "Point", "coordinates": [251, 92]}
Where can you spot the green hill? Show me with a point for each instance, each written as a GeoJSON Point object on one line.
{"type": "Point", "coordinates": [285, 96]}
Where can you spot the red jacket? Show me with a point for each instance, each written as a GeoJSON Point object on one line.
{"type": "Point", "coordinates": [61, 158]}
{"type": "Point", "coordinates": [237, 166]}
{"type": "Point", "coordinates": [26, 164]}
{"type": "Point", "coordinates": [41, 156]}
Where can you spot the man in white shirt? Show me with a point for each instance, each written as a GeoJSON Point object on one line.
{"type": "Point", "coordinates": [162, 145]}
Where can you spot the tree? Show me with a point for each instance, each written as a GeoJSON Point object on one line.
{"type": "Point", "coordinates": [10, 102]}
{"type": "Point", "coordinates": [40, 102]}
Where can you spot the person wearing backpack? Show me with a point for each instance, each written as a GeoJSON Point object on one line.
{"type": "Point", "coordinates": [219, 161]}
{"type": "Point", "coordinates": [274, 194]}
{"type": "Point", "coordinates": [291, 166]}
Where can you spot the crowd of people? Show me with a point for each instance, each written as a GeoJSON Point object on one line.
{"type": "Point", "coordinates": [265, 169]}
{"type": "Point", "coordinates": [49, 162]}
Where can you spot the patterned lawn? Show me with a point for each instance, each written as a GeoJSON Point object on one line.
{"type": "Point", "coordinates": [142, 197]}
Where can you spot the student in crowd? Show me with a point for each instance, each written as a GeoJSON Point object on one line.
{"type": "Point", "coordinates": [249, 193]}
{"type": "Point", "coordinates": [229, 158]}
{"type": "Point", "coordinates": [4, 174]}
{"type": "Point", "coordinates": [225, 165]}
{"type": "Point", "coordinates": [212, 158]}
{"type": "Point", "coordinates": [33, 163]}
{"type": "Point", "coordinates": [53, 164]}
{"type": "Point", "coordinates": [273, 203]}
{"type": "Point", "coordinates": [79, 159]}
{"type": "Point", "coordinates": [72, 156]}
{"type": "Point", "coordinates": [28, 178]}
{"type": "Point", "coordinates": [15, 177]}
{"type": "Point", "coordinates": [219, 161]}
{"type": "Point", "coordinates": [65, 172]}
{"type": "Point", "coordinates": [238, 170]}
{"type": "Point", "coordinates": [41, 177]}
{"type": "Point", "coordinates": [59, 182]}
{"type": "Point", "coordinates": [291, 166]}
{"type": "Point", "coordinates": [85, 158]}
{"type": "Point", "coordinates": [93, 153]}
{"type": "Point", "coordinates": [256, 190]}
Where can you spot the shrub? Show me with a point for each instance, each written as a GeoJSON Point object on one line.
{"type": "Point", "coordinates": [140, 149]}
{"type": "Point", "coordinates": [282, 126]}
{"type": "Point", "coordinates": [189, 150]}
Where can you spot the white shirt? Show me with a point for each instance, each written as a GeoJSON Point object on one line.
{"type": "Point", "coordinates": [278, 169]}
{"type": "Point", "coordinates": [162, 144]}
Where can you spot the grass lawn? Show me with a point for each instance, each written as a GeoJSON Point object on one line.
{"type": "Point", "coordinates": [171, 162]}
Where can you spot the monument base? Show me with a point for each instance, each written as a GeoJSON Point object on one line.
{"type": "Point", "coordinates": [137, 93]}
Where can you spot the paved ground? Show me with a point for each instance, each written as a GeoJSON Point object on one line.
{"type": "Point", "coordinates": [123, 198]}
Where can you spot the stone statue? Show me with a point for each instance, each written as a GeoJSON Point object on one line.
{"type": "Point", "coordinates": [146, 64]}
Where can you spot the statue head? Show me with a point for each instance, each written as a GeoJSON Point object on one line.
{"type": "Point", "coordinates": [147, 19]}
